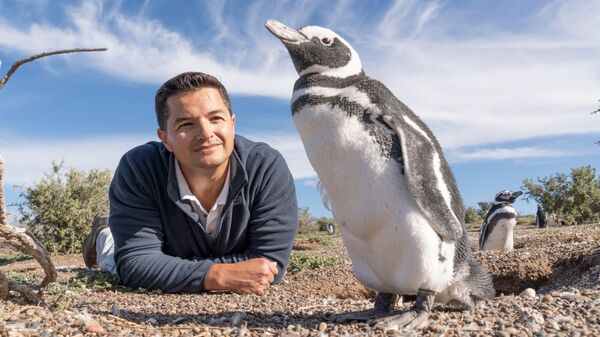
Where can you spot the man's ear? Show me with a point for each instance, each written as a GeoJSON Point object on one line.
{"type": "Point", "coordinates": [163, 138]}
{"type": "Point", "coordinates": [233, 122]}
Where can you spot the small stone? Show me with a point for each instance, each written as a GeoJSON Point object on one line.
{"type": "Point", "coordinates": [151, 321]}
{"type": "Point", "coordinates": [552, 324]}
{"type": "Point", "coordinates": [236, 318]}
{"type": "Point", "coordinates": [115, 310]}
{"type": "Point", "coordinates": [94, 327]}
{"type": "Point", "coordinates": [178, 320]}
{"type": "Point", "coordinates": [472, 327]}
{"type": "Point", "coordinates": [91, 325]}
{"type": "Point", "coordinates": [528, 293]}
{"type": "Point", "coordinates": [436, 328]}
{"type": "Point", "coordinates": [502, 333]}
{"type": "Point", "coordinates": [548, 299]}
{"type": "Point", "coordinates": [570, 296]}
{"type": "Point", "coordinates": [322, 326]}
{"type": "Point", "coordinates": [512, 331]}
{"type": "Point", "coordinates": [563, 319]}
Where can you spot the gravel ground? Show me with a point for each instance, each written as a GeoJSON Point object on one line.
{"type": "Point", "coordinates": [548, 286]}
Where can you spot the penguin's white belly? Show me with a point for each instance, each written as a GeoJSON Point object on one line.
{"type": "Point", "coordinates": [501, 237]}
{"type": "Point", "coordinates": [392, 246]}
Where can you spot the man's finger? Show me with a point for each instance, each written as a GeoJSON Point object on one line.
{"type": "Point", "coordinates": [271, 278]}
{"type": "Point", "coordinates": [273, 267]}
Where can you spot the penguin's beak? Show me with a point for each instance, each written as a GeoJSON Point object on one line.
{"type": "Point", "coordinates": [515, 195]}
{"type": "Point", "coordinates": [284, 33]}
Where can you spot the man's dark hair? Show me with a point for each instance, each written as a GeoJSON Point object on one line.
{"type": "Point", "coordinates": [185, 82]}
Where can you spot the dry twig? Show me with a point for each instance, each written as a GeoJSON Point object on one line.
{"type": "Point", "coordinates": [20, 62]}
{"type": "Point", "coordinates": [20, 238]}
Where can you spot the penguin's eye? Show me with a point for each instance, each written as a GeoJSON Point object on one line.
{"type": "Point", "coordinates": [326, 40]}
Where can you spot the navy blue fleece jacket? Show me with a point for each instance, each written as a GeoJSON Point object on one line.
{"type": "Point", "coordinates": [159, 243]}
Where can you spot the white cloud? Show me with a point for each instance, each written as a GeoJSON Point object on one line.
{"type": "Point", "coordinates": [484, 87]}
{"type": "Point", "coordinates": [500, 153]}
{"type": "Point", "coordinates": [140, 50]}
{"type": "Point", "coordinates": [311, 183]}
{"type": "Point", "coordinates": [25, 161]}
{"type": "Point", "coordinates": [292, 149]}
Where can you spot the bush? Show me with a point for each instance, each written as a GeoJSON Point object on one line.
{"type": "Point", "coordinates": [60, 208]}
{"type": "Point", "coordinates": [484, 207]}
{"type": "Point", "coordinates": [306, 222]}
{"type": "Point", "coordinates": [472, 218]}
{"type": "Point", "coordinates": [300, 261]}
{"type": "Point", "coordinates": [574, 198]}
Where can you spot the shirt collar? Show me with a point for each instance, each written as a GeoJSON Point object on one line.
{"type": "Point", "coordinates": [186, 194]}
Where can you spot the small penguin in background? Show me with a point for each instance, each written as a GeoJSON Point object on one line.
{"type": "Point", "coordinates": [499, 223]}
{"type": "Point", "coordinates": [540, 217]}
{"type": "Point", "coordinates": [387, 182]}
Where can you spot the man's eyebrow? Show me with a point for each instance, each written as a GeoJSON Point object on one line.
{"type": "Point", "coordinates": [217, 111]}
{"type": "Point", "coordinates": [181, 119]}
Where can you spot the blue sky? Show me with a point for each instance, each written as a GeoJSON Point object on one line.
{"type": "Point", "coordinates": [506, 86]}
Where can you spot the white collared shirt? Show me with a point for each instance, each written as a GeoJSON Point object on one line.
{"type": "Point", "coordinates": [214, 214]}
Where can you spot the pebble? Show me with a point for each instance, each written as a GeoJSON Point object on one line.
{"type": "Point", "coordinates": [571, 296]}
{"type": "Point", "coordinates": [563, 319]}
{"type": "Point", "coordinates": [322, 326]}
{"type": "Point", "coordinates": [548, 298]}
{"type": "Point", "coordinates": [502, 333]}
{"type": "Point", "coordinates": [151, 321]}
{"type": "Point", "coordinates": [115, 310]}
{"type": "Point", "coordinates": [237, 318]}
{"type": "Point", "coordinates": [528, 293]}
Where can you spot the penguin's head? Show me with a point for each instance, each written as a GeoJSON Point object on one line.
{"type": "Point", "coordinates": [317, 50]}
{"type": "Point", "coordinates": [507, 196]}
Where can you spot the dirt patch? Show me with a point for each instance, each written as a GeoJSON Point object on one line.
{"type": "Point", "coordinates": [562, 264]}
{"type": "Point", "coordinates": [543, 259]}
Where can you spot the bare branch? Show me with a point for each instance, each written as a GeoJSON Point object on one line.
{"type": "Point", "coordinates": [20, 238]}
{"type": "Point", "coordinates": [17, 64]}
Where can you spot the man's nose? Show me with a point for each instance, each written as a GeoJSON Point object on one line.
{"type": "Point", "coordinates": [205, 131]}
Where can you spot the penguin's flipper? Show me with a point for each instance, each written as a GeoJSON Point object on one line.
{"type": "Point", "coordinates": [428, 178]}
{"type": "Point", "coordinates": [483, 233]}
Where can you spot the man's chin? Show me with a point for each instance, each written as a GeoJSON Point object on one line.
{"type": "Point", "coordinates": [208, 163]}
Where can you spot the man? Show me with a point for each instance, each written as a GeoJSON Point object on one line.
{"type": "Point", "coordinates": [204, 209]}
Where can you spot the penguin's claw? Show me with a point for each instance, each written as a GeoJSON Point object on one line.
{"type": "Point", "coordinates": [406, 321]}
{"type": "Point", "coordinates": [362, 316]}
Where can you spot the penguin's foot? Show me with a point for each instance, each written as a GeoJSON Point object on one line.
{"type": "Point", "coordinates": [384, 306]}
{"type": "Point", "coordinates": [416, 318]}
{"type": "Point", "coordinates": [409, 320]}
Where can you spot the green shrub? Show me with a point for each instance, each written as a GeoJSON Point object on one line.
{"type": "Point", "coordinates": [306, 222]}
{"type": "Point", "coordinates": [320, 237]}
{"type": "Point", "coordinates": [300, 261]}
{"type": "Point", "coordinates": [59, 209]}
{"type": "Point", "coordinates": [574, 198]}
{"type": "Point", "coordinates": [484, 207]}
{"type": "Point", "coordinates": [472, 218]}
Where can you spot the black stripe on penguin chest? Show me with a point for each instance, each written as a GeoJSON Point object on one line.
{"type": "Point", "coordinates": [387, 140]}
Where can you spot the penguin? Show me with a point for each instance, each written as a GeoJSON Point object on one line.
{"type": "Point", "coordinates": [386, 180]}
{"type": "Point", "coordinates": [499, 223]}
{"type": "Point", "coordinates": [540, 217]}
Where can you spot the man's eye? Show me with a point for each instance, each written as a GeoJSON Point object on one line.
{"type": "Point", "coordinates": [183, 125]}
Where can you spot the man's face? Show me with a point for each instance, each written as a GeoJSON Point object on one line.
{"type": "Point", "coordinates": [199, 130]}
